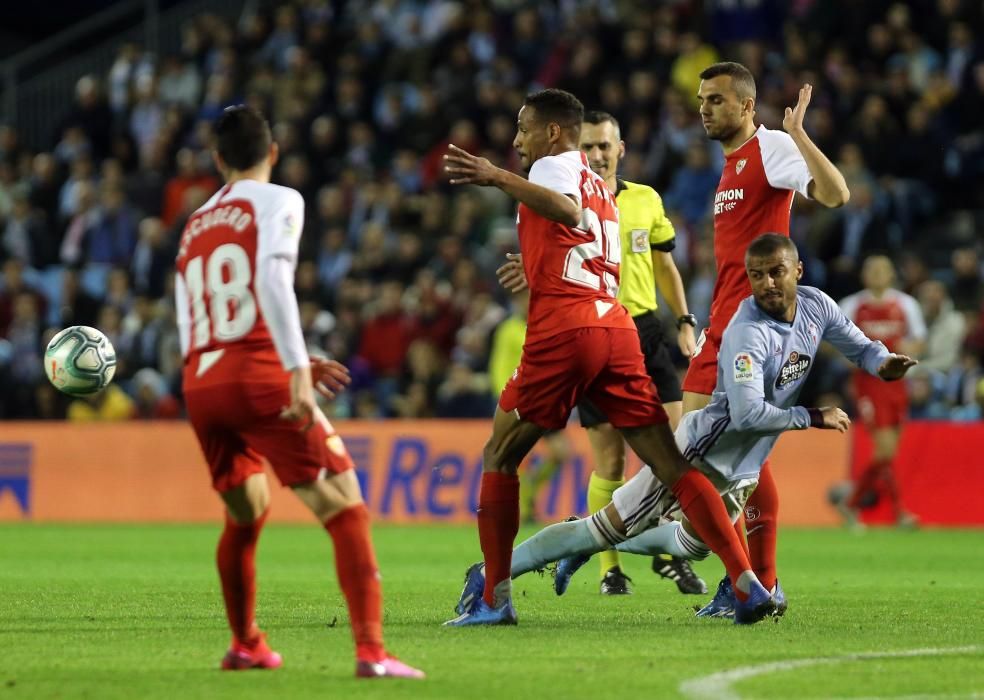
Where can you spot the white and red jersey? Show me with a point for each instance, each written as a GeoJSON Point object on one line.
{"type": "Point", "coordinates": [573, 272]}
{"type": "Point", "coordinates": [754, 196]}
{"type": "Point", "coordinates": [892, 318]}
{"type": "Point", "coordinates": [234, 299]}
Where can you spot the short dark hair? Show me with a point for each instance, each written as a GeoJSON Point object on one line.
{"type": "Point", "coordinates": [769, 244]}
{"type": "Point", "coordinates": [242, 137]}
{"type": "Point", "coordinates": [741, 77]}
{"type": "Point", "coordinates": [558, 106]}
{"type": "Point", "coordinates": [596, 116]}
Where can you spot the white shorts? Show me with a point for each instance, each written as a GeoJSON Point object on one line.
{"type": "Point", "coordinates": [644, 502]}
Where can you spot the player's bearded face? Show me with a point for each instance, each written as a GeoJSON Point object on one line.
{"type": "Point", "coordinates": [720, 108]}
{"type": "Point", "coordinates": [774, 279]}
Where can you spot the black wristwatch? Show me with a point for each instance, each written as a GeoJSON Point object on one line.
{"type": "Point", "coordinates": [689, 319]}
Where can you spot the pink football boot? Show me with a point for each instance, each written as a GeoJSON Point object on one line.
{"type": "Point", "coordinates": [390, 667]}
{"type": "Point", "coordinates": [259, 655]}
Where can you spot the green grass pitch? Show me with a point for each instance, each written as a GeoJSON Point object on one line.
{"type": "Point", "coordinates": [134, 612]}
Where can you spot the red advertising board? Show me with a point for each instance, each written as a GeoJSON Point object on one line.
{"type": "Point", "coordinates": [416, 472]}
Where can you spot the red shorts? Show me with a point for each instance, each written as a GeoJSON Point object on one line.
{"type": "Point", "coordinates": [881, 404]}
{"type": "Point", "coordinates": [604, 365]}
{"type": "Point", "coordinates": [238, 425]}
{"type": "Point", "coordinates": [703, 371]}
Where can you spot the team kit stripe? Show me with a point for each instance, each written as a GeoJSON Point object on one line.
{"type": "Point", "coordinates": [645, 506]}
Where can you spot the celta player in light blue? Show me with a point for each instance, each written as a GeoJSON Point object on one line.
{"type": "Point", "coordinates": [766, 354]}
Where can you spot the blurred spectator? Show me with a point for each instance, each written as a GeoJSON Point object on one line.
{"type": "Point", "coordinates": [25, 236]}
{"type": "Point", "coordinates": [151, 398]}
{"type": "Point", "coordinates": [76, 307]}
{"type": "Point", "coordinates": [967, 288]}
{"type": "Point", "coordinates": [464, 394]}
{"type": "Point", "coordinates": [945, 327]}
{"type": "Point", "coordinates": [110, 404]}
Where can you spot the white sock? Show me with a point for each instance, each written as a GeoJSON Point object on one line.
{"type": "Point", "coordinates": [552, 543]}
{"type": "Point", "coordinates": [670, 539]}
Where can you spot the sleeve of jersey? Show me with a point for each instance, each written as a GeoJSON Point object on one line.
{"type": "Point", "coordinates": [662, 236]}
{"type": "Point", "coordinates": [558, 175]}
{"type": "Point", "coordinates": [276, 256]}
{"type": "Point", "coordinates": [784, 166]}
{"type": "Point", "coordinates": [743, 354]}
{"type": "Point", "coordinates": [841, 332]}
{"type": "Point", "coordinates": [183, 314]}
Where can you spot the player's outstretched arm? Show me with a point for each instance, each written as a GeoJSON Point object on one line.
{"type": "Point", "coordinates": [466, 169]}
{"type": "Point", "coordinates": [828, 185]}
{"type": "Point", "coordinates": [895, 366]}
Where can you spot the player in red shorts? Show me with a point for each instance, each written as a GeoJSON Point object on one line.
{"type": "Point", "coordinates": [763, 169]}
{"type": "Point", "coordinates": [580, 343]}
{"type": "Point", "coordinates": [249, 392]}
{"type": "Point", "coordinates": [894, 318]}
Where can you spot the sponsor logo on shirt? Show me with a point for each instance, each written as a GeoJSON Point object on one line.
{"type": "Point", "coordinates": [740, 165]}
{"type": "Point", "coordinates": [726, 200]}
{"type": "Point", "coordinates": [794, 368]}
{"type": "Point", "coordinates": [743, 367]}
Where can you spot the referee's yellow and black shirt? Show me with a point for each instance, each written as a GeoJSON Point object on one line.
{"type": "Point", "coordinates": [644, 227]}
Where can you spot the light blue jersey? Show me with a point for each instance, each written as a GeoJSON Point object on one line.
{"type": "Point", "coordinates": [762, 366]}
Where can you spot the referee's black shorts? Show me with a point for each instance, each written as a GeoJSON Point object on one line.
{"type": "Point", "coordinates": [659, 365]}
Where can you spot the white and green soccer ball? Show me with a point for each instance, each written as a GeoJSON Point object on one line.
{"type": "Point", "coordinates": [80, 360]}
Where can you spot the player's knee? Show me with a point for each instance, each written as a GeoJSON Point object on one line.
{"type": "Point", "coordinates": [496, 457]}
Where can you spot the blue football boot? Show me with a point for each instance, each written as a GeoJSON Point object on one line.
{"type": "Point", "coordinates": [723, 602]}
{"type": "Point", "coordinates": [566, 568]}
{"type": "Point", "coordinates": [758, 605]}
{"type": "Point", "coordinates": [474, 588]}
{"type": "Point", "coordinates": [481, 613]}
{"type": "Point", "coordinates": [779, 596]}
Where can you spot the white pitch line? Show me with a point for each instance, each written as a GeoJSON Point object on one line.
{"type": "Point", "coordinates": [717, 686]}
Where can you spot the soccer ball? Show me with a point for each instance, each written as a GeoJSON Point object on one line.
{"type": "Point", "coordinates": [80, 360]}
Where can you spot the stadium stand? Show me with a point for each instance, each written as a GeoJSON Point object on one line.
{"type": "Point", "coordinates": [397, 278]}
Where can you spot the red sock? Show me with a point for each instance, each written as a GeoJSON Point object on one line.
{"type": "Point", "coordinates": [866, 481]}
{"type": "Point", "coordinates": [763, 504]}
{"type": "Point", "coordinates": [498, 523]}
{"type": "Point", "coordinates": [740, 531]}
{"type": "Point", "coordinates": [705, 510]}
{"type": "Point", "coordinates": [236, 559]}
{"type": "Point", "coordinates": [358, 577]}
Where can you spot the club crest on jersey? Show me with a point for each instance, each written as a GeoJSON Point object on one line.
{"type": "Point", "coordinates": [743, 367]}
{"type": "Point", "coordinates": [740, 165]}
{"type": "Point", "coordinates": [794, 368]}
{"type": "Point", "coordinates": [813, 331]}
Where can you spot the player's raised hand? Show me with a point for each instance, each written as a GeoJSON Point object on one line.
{"type": "Point", "coordinates": [793, 120]}
{"type": "Point", "coordinates": [466, 169]}
{"type": "Point", "coordinates": [895, 366]}
{"type": "Point", "coordinates": [512, 275]}
{"type": "Point", "coordinates": [834, 419]}
{"type": "Point", "coordinates": [329, 377]}
{"type": "Point", "coordinates": [302, 406]}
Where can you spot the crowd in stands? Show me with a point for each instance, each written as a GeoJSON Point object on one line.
{"type": "Point", "coordinates": [396, 277]}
